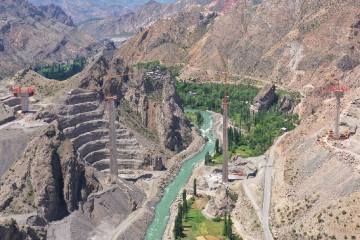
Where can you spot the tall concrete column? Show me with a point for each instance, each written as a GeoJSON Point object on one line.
{"type": "Point", "coordinates": [225, 169]}
{"type": "Point", "coordinates": [112, 138]}
{"type": "Point", "coordinates": [24, 96]}
{"type": "Point", "coordinates": [337, 119]}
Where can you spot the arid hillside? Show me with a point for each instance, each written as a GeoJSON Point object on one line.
{"type": "Point", "coordinates": [128, 24]}
{"type": "Point", "coordinates": [288, 42]}
{"type": "Point", "coordinates": [30, 35]}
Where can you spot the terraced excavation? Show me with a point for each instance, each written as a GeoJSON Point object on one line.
{"type": "Point", "coordinates": [84, 121]}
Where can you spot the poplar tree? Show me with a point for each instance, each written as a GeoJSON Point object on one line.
{"type": "Point", "coordinates": [194, 187]}
{"type": "Point", "coordinates": [225, 227]}
{"type": "Point", "coordinates": [185, 206]}
{"type": "Point", "coordinates": [217, 146]}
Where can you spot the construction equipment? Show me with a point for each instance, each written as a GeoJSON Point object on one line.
{"type": "Point", "coordinates": [110, 106]}
{"type": "Point", "coordinates": [23, 94]}
{"type": "Point", "coordinates": [338, 91]}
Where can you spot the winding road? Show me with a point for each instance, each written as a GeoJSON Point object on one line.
{"type": "Point", "coordinates": [267, 190]}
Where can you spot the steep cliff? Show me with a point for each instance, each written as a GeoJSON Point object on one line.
{"type": "Point", "coordinates": [48, 179]}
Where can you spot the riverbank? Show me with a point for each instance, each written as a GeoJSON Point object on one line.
{"type": "Point", "coordinates": [158, 227]}
{"type": "Point", "coordinates": [138, 222]}
{"type": "Point", "coordinates": [216, 130]}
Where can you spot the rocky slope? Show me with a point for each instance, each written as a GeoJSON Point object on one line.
{"type": "Point", "coordinates": [142, 16]}
{"type": "Point", "coordinates": [125, 24]}
{"type": "Point", "coordinates": [84, 10]}
{"type": "Point", "coordinates": [30, 35]}
{"type": "Point", "coordinates": [55, 12]}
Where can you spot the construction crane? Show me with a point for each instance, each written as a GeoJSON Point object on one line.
{"type": "Point", "coordinates": [110, 106]}
{"type": "Point", "coordinates": [338, 91]}
{"type": "Point", "coordinates": [24, 94]}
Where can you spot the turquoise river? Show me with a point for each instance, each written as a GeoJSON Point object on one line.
{"type": "Point", "coordinates": [162, 211]}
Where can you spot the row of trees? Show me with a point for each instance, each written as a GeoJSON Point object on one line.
{"type": "Point", "coordinates": [62, 71]}
{"type": "Point", "coordinates": [227, 230]}
{"type": "Point", "coordinates": [183, 209]}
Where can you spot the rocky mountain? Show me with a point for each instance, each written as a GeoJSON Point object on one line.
{"type": "Point", "coordinates": [84, 10]}
{"type": "Point", "coordinates": [124, 25]}
{"type": "Point", "coordinates": [301, 46]}
{"type": "Point", "coordinates": [55, 12]}
{"type": "Point", "coordinates": [120, 28]}
{"type": "Point", "coordinates": [30, 35]}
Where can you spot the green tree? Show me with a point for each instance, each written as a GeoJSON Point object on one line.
{"type": "Point", "coordinates": [225, 227]}
{"type": "Point", "coordinates": [194, 187]}
{"type": "Point", "coordinates": [217, 146]}
{"type": "Point", "coordinates": [230, 137]}
{"type": "Point", "coordinates": [185, 206]}
{"type": "Point", "coordinates": [208, 160]}
{"type": "Point", "coordinates": [236, 137]}
{"type": "Point", "coordinates": [178, 227]}
{"type": "Point", "coordinates": [229, 228]}
{"type": "Point", "coordinates": [199, 119]}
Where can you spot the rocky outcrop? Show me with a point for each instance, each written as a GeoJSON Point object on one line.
{"type": "Point", "coordinates": [220, 203]}
{"type": "Point", "coordinates": [9, 230]}
{"type": "Point", "coordinates": [265, 98]}
{"type": "Point", "coordinates": [6, 114]}
{"type": "Point", "coordinates": [55, 12]}
{"type": "Point", "coordinates": [286, 104]}
{"type": "Point", "coordinates": [156, 102]}
{"type": "Point", "coordinates": [48, 179]}
{"type": "Point", "coordinates": [2, 47]}
{"type": "Point", "coordinates": [172, 126]}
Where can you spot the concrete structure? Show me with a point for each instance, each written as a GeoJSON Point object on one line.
{"type": "Point", "coordinates": [225, 169]}
{"type": "Point", "coordinates": [81, 119]}
{"type": "Point", "coordinates": [110, 105]}
{"type": "Point", "coordinates": [338, 91]}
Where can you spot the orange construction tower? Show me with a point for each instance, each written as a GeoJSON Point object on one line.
{"type": "Point", "coordinates": [24, 94]}
{"type": "Point", "coordinates": [338, 91]}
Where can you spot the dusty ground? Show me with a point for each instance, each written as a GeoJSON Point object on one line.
{"type": "Point", "coordinates": [317, 180]}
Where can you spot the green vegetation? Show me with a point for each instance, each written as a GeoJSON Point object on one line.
{"type": "Point", "coordinates": [151, 66]}
{"type": "Point", "coordinates": [191, 223]}
{"type": "Point", "coordinates": [197, 225]}
{"type": "Point", "coordinates": [61, 71]}
{"type": "Point", "coordinates": [208, 96]}
{"type": "Point", "coordinates": [178, 227]}
{"type": "Point", "coordinates": [185, 203]}
{"type": "Point", "coordinates": [252, 134]}
{"type": "Point", "coordinates": [208, 159]}
{"type": "Point", "coordinates": [194, 117]}
{"type": "Point", "coordinates": [194, 187]}
{"type": "Point", "coordinates": [157, 65]}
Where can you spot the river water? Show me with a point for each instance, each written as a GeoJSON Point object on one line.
{"type": "Point", "coordinates": [162, 212]}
